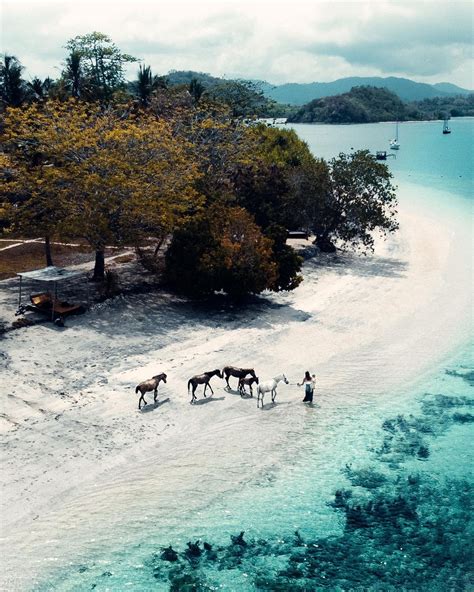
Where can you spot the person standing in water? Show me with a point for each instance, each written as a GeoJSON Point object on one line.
{"type": "Point", "coordinates": [309, 386]}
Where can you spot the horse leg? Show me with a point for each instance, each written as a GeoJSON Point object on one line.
{"type": "Point", "coordinates": [209, 385]}
{"type": "Point", "coordinates": [274, 394]}
{"type": "Point", "coordinates": [142, 398]}
{"type": "Point", "coordinates": [227, 380]}
{"type": "Point", "coordinates": [251, 391]}
{"type": "Point", "coordinates": [156, 395]}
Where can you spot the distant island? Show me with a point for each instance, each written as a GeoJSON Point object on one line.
{"type": "Point", "coordinates": [348, 100]}
{"type": "Point", "coordinates": [408, 90]}
{"type": "Point", "coordinates": [367, 104]}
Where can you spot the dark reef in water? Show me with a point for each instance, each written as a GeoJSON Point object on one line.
{"type": "Point", "coordinates": [401, 532]}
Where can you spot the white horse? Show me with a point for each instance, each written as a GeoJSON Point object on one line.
{"type": "Point", "coordinates": [269, 386]}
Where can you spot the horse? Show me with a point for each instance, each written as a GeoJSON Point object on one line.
{"type": "Point", "coordinates": [247, 381]}
{"type": "Point", "coordinates": [237, 372]}
{"type": "Point", "coordinates": [269, 386]}
{"type": "Point", "coordinates": [202, 379]}
{"type": "Point", "coordinates": [150, 385]}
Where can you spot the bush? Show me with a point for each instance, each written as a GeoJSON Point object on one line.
{"type": "Point", "coordinates": [221, 249]}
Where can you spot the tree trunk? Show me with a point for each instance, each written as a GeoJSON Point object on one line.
{"type": "Point", "coordinates": [47, 252]}
{"type": "Point", "coordinates": [325, 245]}
{"type": "Point", "coordinates": [99, 267]}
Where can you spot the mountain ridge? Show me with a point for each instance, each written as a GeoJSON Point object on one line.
{"type": "Point", "coordinates": [294, 93]}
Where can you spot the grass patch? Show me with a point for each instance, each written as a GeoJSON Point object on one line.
{"type": "Point", "coordinates": [7, 243]}
{"type": "Point", "coordinates": [31, 256]}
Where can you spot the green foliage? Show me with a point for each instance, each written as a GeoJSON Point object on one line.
{"type": "Point", "coordinates": [288, 261]}
{"type": "Point", "coordinates": [146, 84]}
{"type": "Point", "coordinates": [362, 104]}
{"type": "Point", "coordinates": [221, 249]}
{"type": "Point", "coordinates": [96, 64]}
{"type": "Point", "coordinates": [358, 200]}
{"type": "Point", "coordinates": [440, 107]}
{"type": "Point", "coordinates": [196, 89]}
{"type": "Point", "coordinates": [12, 85]}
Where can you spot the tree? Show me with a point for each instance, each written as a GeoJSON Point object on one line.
{"type": "Point", "coordinates": [196, 89]}
{"type": "Point", "coordinates": [221, 249]}
{"type": "Point", "coordinates": [244, 98]}
{"type": "Point", "coordinates": [146, 83]}
{"type": "Point", "coordinates": [358, 199]}
{"type": "Point", "coordinates": [287, 260]}
{"type": "Point", "coordinates": [101, 62]}
{"type": "Point", "coordinates": [115, 177]}
{"type": "Point", "coordinates": [38, 90]}
{"type": "Point", "coordinates": [73, 74]}
{"type": "Point", "coordinates": [273, 184]}
{"type": "Point", "coordinates": [12, 85]}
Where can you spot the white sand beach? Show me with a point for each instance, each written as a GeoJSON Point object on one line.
{"type": "Point", "coordinates": [79, 461]}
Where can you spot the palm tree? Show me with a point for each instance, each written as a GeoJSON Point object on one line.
{"type": "Point", "coordinates": [146, 83]}
{"type": "Point", "coordinates": [37, 89]}
{"type": "Point", "coordinates": [196, 89]}
{"type": "Point", "coordinates": [73, 74]}
{"type": "Point", "coordinates": [12, 86]}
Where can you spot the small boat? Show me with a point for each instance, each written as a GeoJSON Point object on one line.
{"type": "Point", "coordinates": [394, 144]}
{"type": "Point", "coordinates": [446, 129]}
{"type": "Point", "coordinates": [381, 155]}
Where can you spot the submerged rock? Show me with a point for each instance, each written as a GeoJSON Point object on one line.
{"type": "Point", "coordinates": [238, 540]}
{"type": "Point", "coordinates": [169, 554]}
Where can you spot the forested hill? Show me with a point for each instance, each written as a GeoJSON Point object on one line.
{"type": "Point", "coordinates": [363, 104]}
{"type": "Point", "coordinates": [366, 104]}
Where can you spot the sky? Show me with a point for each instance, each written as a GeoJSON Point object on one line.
{"type": "Point", "coordinates": [292, 41]}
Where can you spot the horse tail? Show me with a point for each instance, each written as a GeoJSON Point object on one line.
{"type": "Point", "coordinates": [137, 389]}
{"type": "Point", "coordinates": [190, 382]}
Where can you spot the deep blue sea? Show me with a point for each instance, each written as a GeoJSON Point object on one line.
{"type": "Point", "coordinates": [377, 497]}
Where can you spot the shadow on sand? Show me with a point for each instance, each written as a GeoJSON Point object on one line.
{"type": "Point", "coordinates": [231, 391]}
{"type": "Point", "coordinates": [152, 406]}
{"type": "Point", "coordinates": [365, 266]}
{"type": "Point", "coordinates": [208, 400]}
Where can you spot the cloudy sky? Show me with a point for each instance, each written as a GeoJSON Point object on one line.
{"type": "Point", "coordinates": [292, 41]}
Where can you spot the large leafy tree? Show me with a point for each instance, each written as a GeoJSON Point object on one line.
{"type": "Point", "coordinates": [273, 183]}
{"type": "Point", "coordinates": [221, 249]}
{"type": "Point", "coordinates": [115, 178]}
{"type": "Point", "coordinates": [358, 200]}
{"type": "Point", "coordinates": [99, 62]}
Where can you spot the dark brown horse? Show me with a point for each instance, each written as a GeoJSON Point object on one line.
{"type": "Point", "coordinates": [149, 385]}
{"type": "Point", "coordinates": [247, 382]}
{"type": "Point", "coordinates": [237, 372]}
{"type": "Point", "coordinates": [202, 379]}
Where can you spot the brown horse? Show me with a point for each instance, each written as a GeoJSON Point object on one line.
{"type": "Point", "coordinates": [202, 379]}
{"type": "Point", "coordinates": [149, 385]}
{"type": "Point", "coordinates": [237, 372]}
{"type": "Point", "coordinates": [247, 381]}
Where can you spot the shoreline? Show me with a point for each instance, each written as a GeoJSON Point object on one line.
{"type": "Point", "coordinates": [362, 317]}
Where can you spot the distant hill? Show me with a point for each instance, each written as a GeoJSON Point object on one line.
{"type": "Point", "coordinates": [405, 89]}
{"type": "Point", "coordinates": [363, 104]}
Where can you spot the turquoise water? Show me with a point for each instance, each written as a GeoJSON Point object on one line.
{"type": "Point", "coordinates": [372, 497]}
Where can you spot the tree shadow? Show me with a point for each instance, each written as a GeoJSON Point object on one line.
{"type": "Point", "coordinates": [152, 406]}
{"type": "Point", "coordinates": [361, 265]}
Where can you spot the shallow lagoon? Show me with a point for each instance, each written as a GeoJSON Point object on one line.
{"type": "Point", "coordinates": [377, 490]}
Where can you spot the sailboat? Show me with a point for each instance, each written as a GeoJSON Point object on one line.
{"type": "Point", "coordinates": [394, 144]}
{"type": "Point", "coordinates": [446, 129]}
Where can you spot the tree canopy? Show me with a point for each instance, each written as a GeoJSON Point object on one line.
{"type": "Point", "coordinates": [221, 249]}
{"type": "Point", "coordinates": [180, 167]}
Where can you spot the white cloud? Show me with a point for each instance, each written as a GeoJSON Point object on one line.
{"type": "Point", "coordinates": [281, 42]}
